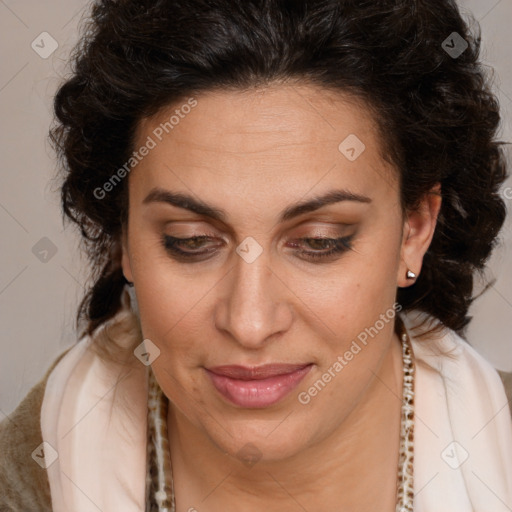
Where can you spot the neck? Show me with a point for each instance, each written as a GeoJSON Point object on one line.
{"type": "Point", "coordinates": [335, 473]}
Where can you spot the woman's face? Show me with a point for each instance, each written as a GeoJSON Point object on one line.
{"type": "Point", "coordinates": [247, 171]}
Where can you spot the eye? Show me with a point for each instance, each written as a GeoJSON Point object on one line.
{"type": "Point", "coordinates": [197, 247]}
{"type": "Point", "coordinates": [325, 247]}
{"type": "Point", "coordinates": [187, 247]}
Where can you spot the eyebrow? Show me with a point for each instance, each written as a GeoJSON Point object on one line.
{"type": "Point", "coordinates": [187, 202]}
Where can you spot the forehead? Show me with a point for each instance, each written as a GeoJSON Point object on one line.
{"type": "Point", "coordinates": [280, 137]}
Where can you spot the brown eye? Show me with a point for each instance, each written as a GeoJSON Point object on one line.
{"type": "Point", "coordinates": [183, 248]}
{"type": "Point", "coordinates": [197, 247]}
{"type": "Point", "coordinates": [325, 247]}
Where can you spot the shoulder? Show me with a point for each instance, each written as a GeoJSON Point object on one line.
{"type": "Point", "coordinates": [24, 483]}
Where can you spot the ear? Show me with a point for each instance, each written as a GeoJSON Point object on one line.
{"type": "Point", "coordinates": [125, 258]}
{"type": "Point", "coordinates": [419, 227]}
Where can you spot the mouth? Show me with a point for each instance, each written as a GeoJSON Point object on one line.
{"type": "Point", "coordinates": [257, 387]}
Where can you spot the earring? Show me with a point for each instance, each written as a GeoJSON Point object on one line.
{"type": "Point", "coordinates": [410, 274]}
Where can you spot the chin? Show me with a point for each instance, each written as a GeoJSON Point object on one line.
{"type": "Point", "coordinates": [262, 442]}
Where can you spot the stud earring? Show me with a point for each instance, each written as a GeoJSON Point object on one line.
{"type": "Point", "coordinates": [410, 274]}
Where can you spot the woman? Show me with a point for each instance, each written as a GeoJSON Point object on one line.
{"type": "Point", "coordinates": [284, 204]}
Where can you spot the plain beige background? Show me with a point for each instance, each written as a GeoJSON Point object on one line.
{"type": "Point", "coordinates": [38, 299]}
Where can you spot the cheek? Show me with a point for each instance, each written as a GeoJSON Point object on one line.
{"type": "Point", "coordinates": [173, 317]}
{"type": "Point", "coordinates": [359, 289]}
{"type": "Point", "coordinates": [167, 292]}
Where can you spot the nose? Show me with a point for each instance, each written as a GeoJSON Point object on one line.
{"type": "Point", "coordinates": [256, 306]}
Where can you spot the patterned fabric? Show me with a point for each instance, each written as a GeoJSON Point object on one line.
{"type": "Point", "coordinates": [405, 479]}
{"type": "Point", "coordinates": [159, 481]}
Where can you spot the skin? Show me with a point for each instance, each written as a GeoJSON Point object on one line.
{"type": "Point", "coordinates": [254, 153]}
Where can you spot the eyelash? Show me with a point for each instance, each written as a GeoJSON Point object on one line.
{"type": "Point", "coordinates": [338, 246]}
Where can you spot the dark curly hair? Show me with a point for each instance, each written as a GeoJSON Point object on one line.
{"type": "Point", "coordinates": [435, 111]}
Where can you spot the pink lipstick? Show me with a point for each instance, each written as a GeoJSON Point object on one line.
{"type": "Point", "coordinates": [257, 387]}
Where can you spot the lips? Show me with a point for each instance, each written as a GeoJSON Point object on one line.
{"type": "Point", "coordinates": [256, 387]}
{"type": "Point", "coordinates": [257, 372]}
